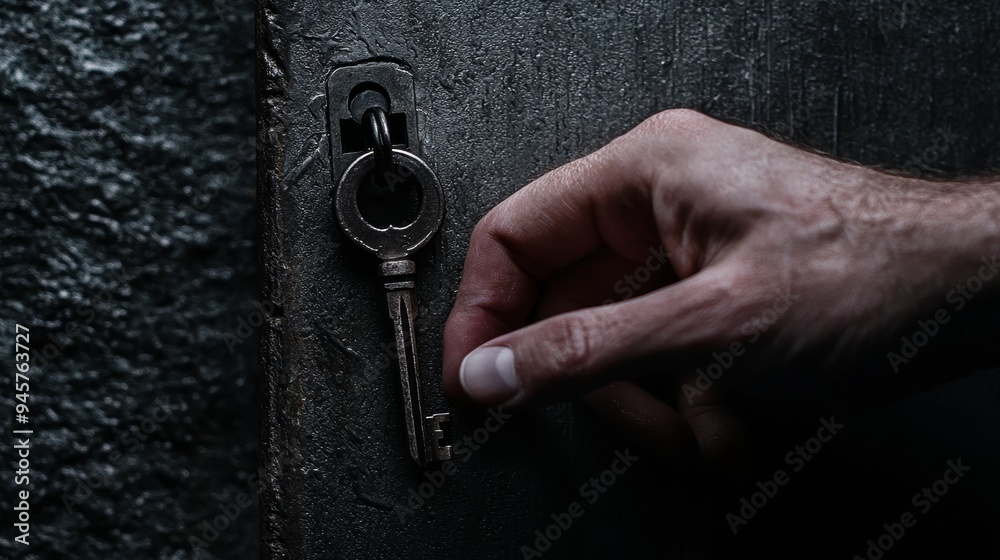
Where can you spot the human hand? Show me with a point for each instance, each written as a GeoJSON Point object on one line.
{"type": "Point", "coordinates": [722, 237]}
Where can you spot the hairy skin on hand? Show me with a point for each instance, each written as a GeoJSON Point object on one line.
{"type": "Point", "coordinates": [746, 221]}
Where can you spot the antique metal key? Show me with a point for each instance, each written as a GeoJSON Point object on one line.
{"type": "Point", "coordinates": [388, 167]}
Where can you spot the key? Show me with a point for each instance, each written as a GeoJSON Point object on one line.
{"type": "Point", "coordinates": [394, 245]}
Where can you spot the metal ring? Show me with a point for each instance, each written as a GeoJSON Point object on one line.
{"type": "Point", "coordinates": [379, 141]}
{"type": "Point", "coordinates": [391, 242]}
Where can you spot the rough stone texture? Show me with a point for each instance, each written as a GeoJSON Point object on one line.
{"type": "Point", "coordinates": [128, 237]}
{"type": "Point", "coordinates": [509, 89]}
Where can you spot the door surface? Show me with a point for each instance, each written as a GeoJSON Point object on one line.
{"type": "Point", "coordinates": [506, 90]}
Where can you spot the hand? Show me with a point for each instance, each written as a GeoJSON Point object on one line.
{"type": "Point", "coordinates": [731, 247]}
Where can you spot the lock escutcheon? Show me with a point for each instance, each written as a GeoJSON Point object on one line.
{"type": "Point", "coordinates": [347, 98]}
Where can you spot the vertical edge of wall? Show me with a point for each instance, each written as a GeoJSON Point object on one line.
{"type": "Point", "coordinates": [280, 532]}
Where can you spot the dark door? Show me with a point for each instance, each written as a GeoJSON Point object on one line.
{"type": "Point", "coordinates": [505, 91]}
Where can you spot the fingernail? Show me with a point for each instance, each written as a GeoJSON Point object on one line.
{"type": "Point", "coordinates": [487, 374]}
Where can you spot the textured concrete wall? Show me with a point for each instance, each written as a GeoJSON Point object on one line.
{"type": "Point", "coordinates": [127, 174]}
{"type": "Point", "coordinates": [507, 90]}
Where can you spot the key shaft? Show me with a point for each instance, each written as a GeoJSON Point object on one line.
{"type": "Point", "coordinates": [424, 432]}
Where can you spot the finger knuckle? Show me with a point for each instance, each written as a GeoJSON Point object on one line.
{"type": "Point", "coordinates": [568, 348]}
{"type": "Point", "coordinates": [677, 121]}
{"type": "Point", "coordinates": [490, 224]}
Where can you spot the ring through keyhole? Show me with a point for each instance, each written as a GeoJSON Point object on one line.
{"type": "Point", "coordinates": [397, 204]}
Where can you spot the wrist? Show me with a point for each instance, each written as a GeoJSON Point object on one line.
{"type": "Point", "coordinates": [953, 228]}
{"type": "Point", "coordinates": [966, 219]}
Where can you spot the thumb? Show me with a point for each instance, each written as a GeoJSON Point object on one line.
{"type": "Point", "coordinates": [584, 349]}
